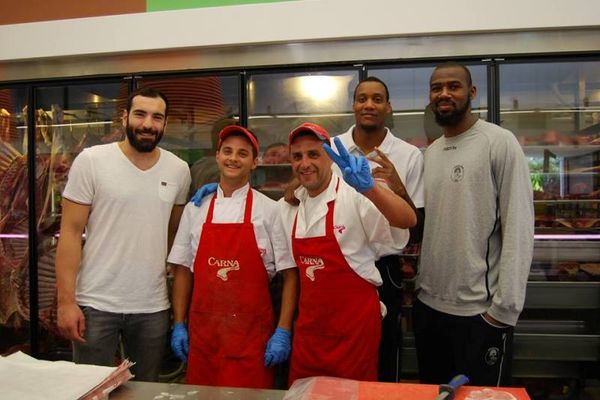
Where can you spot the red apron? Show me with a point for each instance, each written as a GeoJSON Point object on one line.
{"type": "Point", "coordinates": [231, 317]}
{"type": "Point", "coordinates": [339, 325]}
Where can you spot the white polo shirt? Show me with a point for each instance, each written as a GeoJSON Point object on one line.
{"type": "Point", "coordinates": [268, 228]}
{"type": "Point", "coordinates": [362, 232]}
{"type": "Point", "coordinates": [407, 159]}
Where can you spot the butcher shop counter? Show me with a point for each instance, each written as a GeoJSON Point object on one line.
{"type": "Point", "coordinates": [133, 390]}
{"type": "Point", "coordinates": [309, 389]}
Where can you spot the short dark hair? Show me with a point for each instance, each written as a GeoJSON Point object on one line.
{"type": "Point", "coordinates": [148, 92]}
{"type": "Point", "coordinates": [454, 64]}
{"type": "Point", "coordinates": [372, 79]}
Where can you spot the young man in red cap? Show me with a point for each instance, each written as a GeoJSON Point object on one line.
{"type": "Point", "coordinates": [227, 248]}
{"type": "Point", "coordinates": [336, 233]}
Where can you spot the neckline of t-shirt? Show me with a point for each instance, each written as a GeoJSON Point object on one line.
{"type": "Point", "coordinates": [133, 166]}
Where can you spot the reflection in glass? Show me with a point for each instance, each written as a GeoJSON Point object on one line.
{"type": "Point", "coordinates": [551, 103]}
{"type": "Point", "coordinates": [67, 120]}
{"type": "Point", "coordinates": [554, 109]}
{"type": "Point", "coordinates": [196, 106]}
{"type": "Point", "coordinates": [14, 220]}
{"type": "Point", "coordinates": [279, 102]}
{"type": "Point", "coordinates": [409, 97]}
{"type": "Point", "coordinates": [199, 108]}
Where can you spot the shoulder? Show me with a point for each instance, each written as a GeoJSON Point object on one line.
{"type": "Point", "coordinates": [285, 209]}
{"type": "Point", "coordinates": [172, 158]}
{"type": "Point", "coordinates": [434, 145]}
{"type": "Point", "coordinates": [175, 165]}
{"type": "Point", "coordinates": [194, 213]}
{"type": "Point", "coordinates": [497, 136]}
{"type": "Point", "coordinates": [346, 137]}
{"type": "Point", "coordinates": [401, 148]}
{"type": "Point", "coordinates": [98, 153]}
{"type": "Point", "coordinates": [100, 150]}
{"type": "Point", "coordinates": [348, 196]}
{"type": "Point", "coordinates": [263, 201]}
{"type": "Point", "coordinates": [494, 132]}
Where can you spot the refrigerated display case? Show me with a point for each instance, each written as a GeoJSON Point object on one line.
{"type": "Point", "coordinates": [552, 106]}
{"type": "Point", "coordinates": [553, 109]}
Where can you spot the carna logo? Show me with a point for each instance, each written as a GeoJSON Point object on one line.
{"type": "Point", "coordinates": [312, 264]}
{"type": "Point", "coordinates": [226, 266]}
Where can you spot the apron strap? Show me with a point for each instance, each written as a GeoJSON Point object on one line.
{"type": "Point", "coordinates": [247, 210]}
{"type": "Point", "coordinates": [328, 218]}
{"type": "Point", "coordinates": [211, 207]}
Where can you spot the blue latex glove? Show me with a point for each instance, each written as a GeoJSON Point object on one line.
{"type": "Point", "coordinates": [204, 191]}
{"type": "Point", "coordinates": [278, 347]}
{"type": "Point", "coordinates": [180, 341]}
{"type": "Point", "coordinates": [356, 170]}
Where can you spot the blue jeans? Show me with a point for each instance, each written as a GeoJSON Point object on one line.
{"type": "Point", "coordinates": [144, 338]}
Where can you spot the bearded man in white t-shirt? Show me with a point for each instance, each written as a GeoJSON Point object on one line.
{"type": "Point", "coordinates": [128, 198]}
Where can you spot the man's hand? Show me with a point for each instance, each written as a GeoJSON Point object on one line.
{"type": "Point", "coordinates": [204, 191]}
{"type": "Point", "coordinates": [386, 171]}
{"type": "Point", "coordinates": [278, 347]}
{"type": "Point", "coordinates": [289, 195]}
{"type": "Point", "coordinates": [71, 322]}
{"type": "Point", "coordinates": [180, 341]}
{"type": "Point", "coordinates": [493, 321]}
{"type": "Point", "coordinates": [355, 170]}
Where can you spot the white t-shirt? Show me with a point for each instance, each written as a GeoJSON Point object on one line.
{"type": "Point", "coordinates": [123, 262]}
{"type": "Point", "coordinates": [266, 221]}
{"type": "Point", "coordinates": [407, 159]}
{"type": "Point", "coordinates": [362, 232]}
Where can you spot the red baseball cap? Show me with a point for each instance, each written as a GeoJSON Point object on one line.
{"type": "Point", "coordinates": [315, 129]}
{"type": "Point", "coordinates": [231, 129]}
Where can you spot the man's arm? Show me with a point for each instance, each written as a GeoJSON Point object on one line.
{"type": "Point", "coordinates": [387, 171]}
{"type": "Point", "coordinates": [290, 188]}
{"type": "Point", "coordinates": [71, 321]}
{"type": "Point", "coordinates": [356, 173]}
{"type": "Point", "coordinates": [183, 284]}
{"type": "Point", "coordinates": [289, 298]}
{"type": "Point", "coordinates": [515, 200]}
{"type": "Point", "coordinates": [174, 219]}
{"type": "Point", "coordinates": [393, 207]}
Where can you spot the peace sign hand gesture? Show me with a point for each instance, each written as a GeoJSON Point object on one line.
{"type": "Point", "coordinates": [355, 169]}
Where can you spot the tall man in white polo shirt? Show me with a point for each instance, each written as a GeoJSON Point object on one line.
{"type": "Point", "coordinates": [400, 165]}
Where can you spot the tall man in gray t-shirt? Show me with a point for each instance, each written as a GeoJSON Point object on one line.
{"type": "Point", "coordinates": [477, 243]}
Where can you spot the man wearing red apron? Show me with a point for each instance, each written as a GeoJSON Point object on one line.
{"type": "Point", "coordinates": [336, 233]}
{"type": "Point", "coordinates": [235, 242]}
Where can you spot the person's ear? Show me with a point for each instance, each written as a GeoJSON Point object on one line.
{"type": "Point", "coordinates": [124, 118]}
{"type": "Point", "coordinates": [473, 92]}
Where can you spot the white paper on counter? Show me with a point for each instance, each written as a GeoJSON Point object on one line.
{"type": "Point", "coordinates": [24, 377]}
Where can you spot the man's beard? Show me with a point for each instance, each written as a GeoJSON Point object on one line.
{"type": "Point", "coordinates": [451, 118]}
{"type": "Point", "coordinates": [143, 146]}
